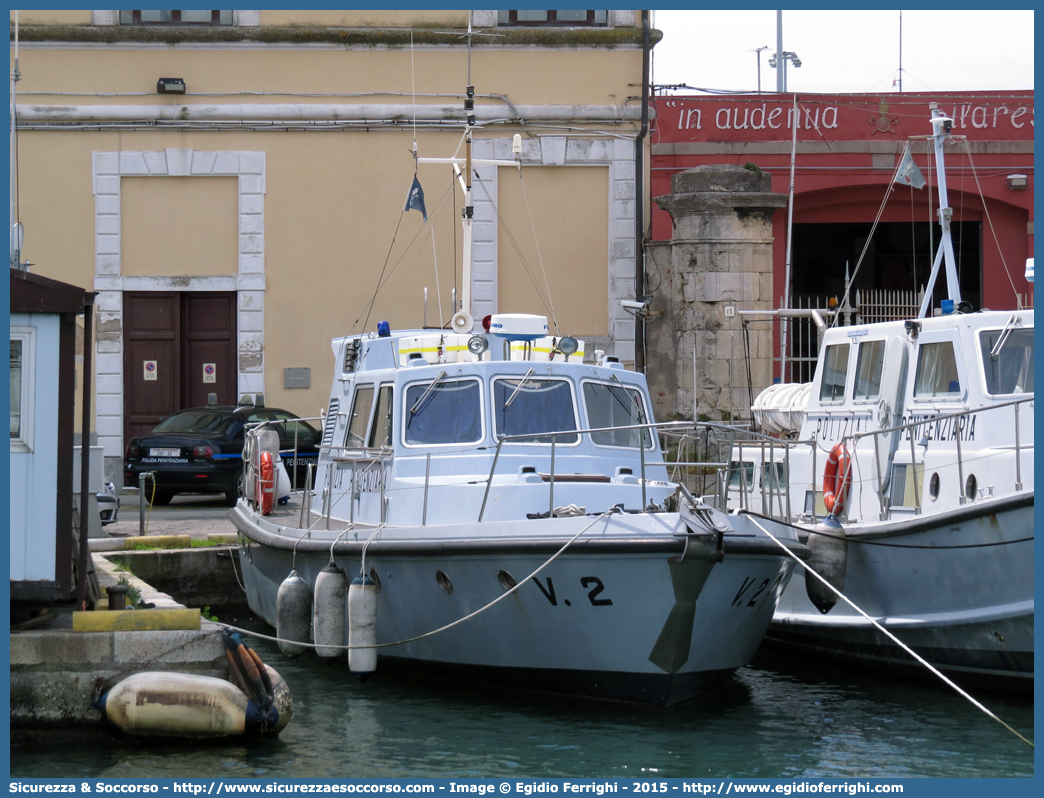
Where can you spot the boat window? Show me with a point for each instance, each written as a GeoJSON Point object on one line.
{"type": "Point", "coordinates": [381, 429]}
{"type": "Point", "coordinates": [450, 413]}
{"type": "Point", "coordinates": [1011, 371]}
{"type": "Point", "coordinates": [525, 406]}
{"type": "Point", "coordinates": [937, 375]}
{"type": "Point", "coordinates": [616, 406]}
{"type": "Point", "coordinates": [360, 416]}
{"type": "Point", "coordinates": [869, 366]}
{"type": "Point", "coordinates": [738, 476]}
{"type": "Point", "coordinates": [773, 477]}
{"type": "Point", "coordinates": [835, 368]}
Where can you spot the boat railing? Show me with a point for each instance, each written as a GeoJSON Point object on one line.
{"type": "Point", "coordinates": [909, 431]}
{"type": "Point", "coordinates": [269, 423]}
{"type": "Point", "coordinates": [363, 460]}
{"type": "Point", "coordinates": [683, 434]}
{"type": "Point", "coordinates": [732, 474]}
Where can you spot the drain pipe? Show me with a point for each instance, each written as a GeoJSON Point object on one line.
{"type": "Point", "coordinates": [82, 591]}
{"type": "Point", "coordinates": [639, 201]}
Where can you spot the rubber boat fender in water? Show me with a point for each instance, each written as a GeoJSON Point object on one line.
{"type": "Point", "coordinates": [362, 626]}
{"type": "Point", "coordinates": [293, 614]}
{"type": "Point", "coordinates": [167, 704]}
{"type": "Point", "coordinates": [328, 612]}
{"type": "Point", "coordinates": [829, 559]}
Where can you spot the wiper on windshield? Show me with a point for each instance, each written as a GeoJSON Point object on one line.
{"type": "Point", "coordinates": [1012, 322]}
{"type": "Point", "coordinates": [633, 395]}
{"type": "Point", "coordinates": [524, 380]}
{"type": "Point", "coordinates": [427, 391]}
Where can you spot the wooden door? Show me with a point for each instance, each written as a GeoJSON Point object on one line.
{"type": "Point", "coordinates": [151, 360]}
{"type": "Point", "coordinates": [208, 348]}
{"type": "Point", "coordinates": [178, 348]}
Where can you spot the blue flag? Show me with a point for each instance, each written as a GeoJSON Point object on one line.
{"type": "Point", "coordinates": [415, 200]}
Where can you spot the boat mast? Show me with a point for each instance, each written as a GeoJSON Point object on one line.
{"type": "Point", "coordinates": [941, 126]}
{"type": "Point", "coordinates": [462, 320]}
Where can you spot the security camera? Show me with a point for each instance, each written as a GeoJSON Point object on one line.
{"type": "Point", "coordinates": [639, 306]}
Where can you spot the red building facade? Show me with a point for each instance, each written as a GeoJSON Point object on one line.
{"type": "Point", "coordinates": [846, 153]}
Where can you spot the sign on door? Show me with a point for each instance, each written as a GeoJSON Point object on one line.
{"type": "Point", "coordinates": [151, 372]}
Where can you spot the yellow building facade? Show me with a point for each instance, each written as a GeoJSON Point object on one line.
{"type": "Point", "coordinates": [233, 186]}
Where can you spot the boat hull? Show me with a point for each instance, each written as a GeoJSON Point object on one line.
{"type": "Point", "coordinates": [956, 586]}
{"type": "Point", "coordinates": [615, 617]}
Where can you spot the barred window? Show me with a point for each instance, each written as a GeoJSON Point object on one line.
{"type": "Point", "coordinates": [528, 17]}
{"type": "Point", "coordinates": [154, 17]}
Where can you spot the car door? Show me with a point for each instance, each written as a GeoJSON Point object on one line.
{"type": "Point", "coordinates": [298, 444]}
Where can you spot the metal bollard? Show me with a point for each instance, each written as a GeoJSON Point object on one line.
{"type": "Point", "coordinates": [144, 475]}
{"type": "Point", "coordinates": [117, 597]}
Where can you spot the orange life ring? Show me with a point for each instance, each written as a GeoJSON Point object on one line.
{"type": "Point", "coordinates": [266, 484]}
{"type": "Point", "coordinates": [836, 477]}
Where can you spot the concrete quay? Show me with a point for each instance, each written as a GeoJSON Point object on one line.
{"type": "Point", "coordinates": [56, 673]}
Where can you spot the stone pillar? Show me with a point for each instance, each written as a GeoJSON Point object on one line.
{"type": "Point", "coordinates": [720, 262]}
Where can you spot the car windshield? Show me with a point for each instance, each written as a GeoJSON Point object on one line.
{"type": "Point", "coordinates": [198, 422]}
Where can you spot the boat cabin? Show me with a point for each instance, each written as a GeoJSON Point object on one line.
{"type": "Point", "coordinates": [431, 427]}
{"type": "Point", "coordinates": [932, 410]}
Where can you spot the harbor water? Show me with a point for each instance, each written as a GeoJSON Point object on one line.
{"type": "Point", "coordinates": [779, 718]}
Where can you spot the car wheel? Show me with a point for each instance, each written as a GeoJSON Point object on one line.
{"type": "Point", "coordinates": [237, 486]}
{"type": "Point", "coordinates": [162, 498]}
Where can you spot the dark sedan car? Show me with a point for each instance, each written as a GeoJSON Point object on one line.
{"type": "Point", "coordinates": [199, 450]}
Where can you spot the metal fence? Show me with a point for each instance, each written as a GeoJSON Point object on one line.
{"type": "Point", "coordinates": [882, 304]}
{"type": "Point", "coordinates": [870, 306]}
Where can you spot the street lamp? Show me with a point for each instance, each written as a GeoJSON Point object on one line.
{"type": "Point", "coordinates": [758, 51]}
{"type": "Point", "coordinates": [787, 56]}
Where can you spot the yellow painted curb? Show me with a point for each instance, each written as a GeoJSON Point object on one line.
{"type": "Point", "coordinates": [135, 620]}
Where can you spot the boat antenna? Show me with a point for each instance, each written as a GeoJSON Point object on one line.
{"type": "Point", "coordinates": [413, 81]}
{"type": "Point", "coordinates": [941, 126]}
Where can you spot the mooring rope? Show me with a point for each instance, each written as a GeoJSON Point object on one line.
{"type": "Point", "coordinates": [500, 598]}
{"type": "Point", "coordinates": [900, 643]}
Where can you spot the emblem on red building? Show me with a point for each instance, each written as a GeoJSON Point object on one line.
{"type": "Point", "coordinates": [883, 122]}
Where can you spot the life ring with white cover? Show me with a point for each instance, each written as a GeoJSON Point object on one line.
{"type": "Point", "coordinates": [266, 483]}
{"type": "Point", "coordinates": [836, 478]}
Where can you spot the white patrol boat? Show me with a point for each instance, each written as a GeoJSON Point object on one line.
{"type": "Point", "coordinates": [909, 458]}
{"type": "Point", "coordinates": [502, 510]}
{"type": "Point", "coordinates": [459, 469]}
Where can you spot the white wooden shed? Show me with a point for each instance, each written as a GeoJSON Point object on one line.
{"type": "Point", "coordinates": [43, 375]}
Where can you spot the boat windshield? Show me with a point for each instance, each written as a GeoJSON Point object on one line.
{"type": "Point", "coordinates": [616, 406]}
{"type": "Point", "coordinates": [538, 405]}
{"type": "Point", "coordinates": [450, 413]}
{"type": "Point", "coordinates": [1011, 371]}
